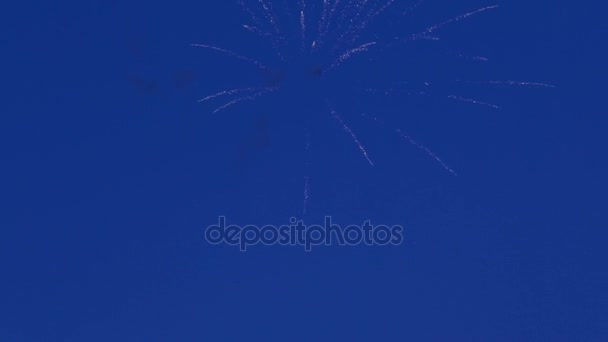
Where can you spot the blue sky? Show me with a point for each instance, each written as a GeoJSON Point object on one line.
{"type": "Point", "coordinates": [112, 171]}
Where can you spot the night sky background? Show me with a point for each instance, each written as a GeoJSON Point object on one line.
{"type": "Point", "coordinates": [111, 171]}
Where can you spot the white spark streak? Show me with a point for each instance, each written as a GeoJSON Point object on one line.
{"type": "Point", "coordinates": [473, 101]}
{"type": "Point", "coordinates": [348, 54]}
{"type": "Point", "coordinates": [244, 98]}
{"type": "Point", "coordinates": [431, 29]}
{"type": "Point", "coordinates": [228, 92]}
{"type": "Point", "coordinates": [425, 149]}
{"type": "Point", "coordinates": [518, 83]}
{"type": "Point", "coordinates": [232, 54]}
{"type": "Point", "coordinates": [352, 134]}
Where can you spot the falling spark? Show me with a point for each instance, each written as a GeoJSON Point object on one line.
{"type": "Point", "coordinates": [232, 54]}
{"type": "Point", "coordinates": [348, 54]}
{"type": "Point", "coordinates": [302, 24]}
{"type": "Point", "coordinates": [227, 92]}
{"type": "Point", "coordinates": [411, 140]}
{"type": "Point", "coordinates": [412, 8]}
{"type": "Point", "coordinates": [352, 134]}
{"type": "Point", "coordinates": [244, 98]}
{"type": "Point", "coordinates": [269, 15]}
{"type": "Point", "coordinates": [306, 193]}
{"type": "Point", "coordinates": [473, 101]}
{"type": "Point", "coordinates": [425, 149]}
{"type": "Point", "coordinates": [458, 18]}
{"type": "Point", "coordinates": [303, 27]}
{"type": "Point", "coordinates": [371, 16]}
{"type": "Point", "coordinates": [257, 31]}
{"type": "Point", "coordinates": [431, 29]}
{"type": "Point", "coordinates": [517, 83]}
{"type": "Point", "coordinates": [252, 14]}
{"type": "Point", "coordinates": [323, 17]}
{"type": "Point", "coordinates": [480, 58]}
{"type": "Point", "coordinates": [306, 177]}
{"type": "Point", "coordinates": [331, 15]}
{"type": "Point", "coordinates": [353, 27]}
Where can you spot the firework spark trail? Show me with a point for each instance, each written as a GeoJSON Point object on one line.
{"type": "Point", "coordinates": [232, 54]}
{"type": "Point", "coordinates": [477, 58]}
{"type": "Point", "coordinates": [303, 23]}
{"type": "Point", "coordinates": [411, 140]}
{"type": "Point", "coordinates": [270, 16]}
{"type": "Point", "coordinates": [256, 20]}
{"type": "Point", "coordinates": [347, 10]}
{"type": "Point", "coordinates": [412, 8]}
{"type": "Point", "coordinates": [323, 20]}
{"type": "Point", "coordinates": [462, 55]}
{"type": "Point", "coordinates": [356, 28]}
{"type": "Point", "coordinates": [426, 33]}
{"type": "Point", "coordinates": [332, 12]}
{"type": "Point", "coordinates": [228, 92]}
{"type": "Point", "coordinates": [307, 168]}
{"type": "Point", "coordinates": [306, 193]}
{"type": "Point", "coordinates": [431, 29]}
{"type": "Point", "coordinates": [354, 22]}
{"type": "Point", "coordinates": [244, 98]}
{"type": "Point", "coordinates": [352, 134]}
{"type": "Point", "coordinates": [473, 101]}
{"type": "Point", "coordinates": [428, 151]}
{"type": "Point", "coordinates": [348, 54]}
{"type": "Point", "coordinates": [516, 83]}
{"type": "Point", "coordinates": [361, 6]}
{"type": "Point", "coordinates": [389, 91]}
{"type": "Point", "coordinates": [257, 31]}
{"type": "Point", "coordinates": [379, 11]}
{"type": "Point", "coordinates": [354, 35]}
{"type": "Point", "coordinates": [277, 40]}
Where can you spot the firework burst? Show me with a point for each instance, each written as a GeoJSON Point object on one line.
{"type": "Point", "coordinates": [318, 37]}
